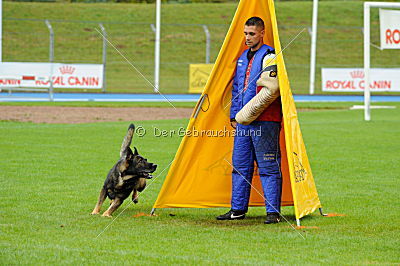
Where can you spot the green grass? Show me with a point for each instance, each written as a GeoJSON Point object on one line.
{"type": "Point", "coordinates": [51, 175]}
{"type": "Point", "coordinates": [340, 40]}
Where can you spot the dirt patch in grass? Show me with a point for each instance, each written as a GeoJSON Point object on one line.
{"type": "Point", "coordinates": [75, 115]}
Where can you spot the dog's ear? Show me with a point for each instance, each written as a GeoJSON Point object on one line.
{"type": "Point", "coordinates": [126, 159]}
{"type": "Point", "coordinates": [127, 140]}
{"type": "Point", "coordinates": [129, 153]}
{"type": "Point", "coordinates": [136, 152]}
{"type": "Point", "coordinates": [124, 163]}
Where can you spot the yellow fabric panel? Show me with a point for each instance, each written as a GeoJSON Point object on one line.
{"type": "Point", "coordinates": [200, 175]}
{"type": "Point", "coordinates": [305, 193]}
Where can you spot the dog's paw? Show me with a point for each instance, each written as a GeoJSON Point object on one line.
{"type": "Point", "coordinates": [107, 215]}
{"type": "Point", "coordinates": [95, 211]}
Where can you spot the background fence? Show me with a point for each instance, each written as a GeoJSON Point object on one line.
{"type": "Point", "coordinates": [27, 40]}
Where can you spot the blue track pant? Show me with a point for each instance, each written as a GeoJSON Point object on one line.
{"type": "Point", "coordinates": [258, 142]}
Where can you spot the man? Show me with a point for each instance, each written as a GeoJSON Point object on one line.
{"type": "Point", "coordinates": [249, 144]}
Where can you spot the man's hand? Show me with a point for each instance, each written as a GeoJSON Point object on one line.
{"type": "Point", "coordinates": [233, 124]}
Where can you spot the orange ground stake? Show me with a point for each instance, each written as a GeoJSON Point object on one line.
{"type": "Point", "coordinates": [305, 227]}
{"type": "Point", "coordinates": [140, 214]}
{"type": "Point", "coordinates": [334, 215]}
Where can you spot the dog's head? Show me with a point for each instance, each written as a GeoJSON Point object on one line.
{"type": "Point", "coordinates": [139, 165]}
{"type": "Point", "coordinates": [131, 162]}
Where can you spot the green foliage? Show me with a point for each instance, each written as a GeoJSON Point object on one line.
{"type": "Point", "coordinates": [51, 176]}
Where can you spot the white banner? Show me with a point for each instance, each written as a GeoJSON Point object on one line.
{"type": "Point", "coordinates": [352, 79]}
{"type": "Point", "coordinates": [390, 28]}
{"type": "Point", "coordinates": [36, 75]}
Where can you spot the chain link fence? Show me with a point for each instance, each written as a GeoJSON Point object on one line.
{"type": "Point", "coordinates": [27, 40]}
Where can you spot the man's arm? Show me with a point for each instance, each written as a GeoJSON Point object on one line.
{"type": "Point", "coordinates": [234, 100]}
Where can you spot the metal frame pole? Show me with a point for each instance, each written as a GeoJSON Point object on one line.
{"type": "Point", "coordinates": [367, 65]}
{"type": "Point", "coordinates": [367, 93]}
{"type": "Point", "coordinates": [157, 47]}
{"type": "Point", "coordinates": [313, 46]}
{"type": "Point", "coordinates": [51, 59]}
{"type": "Point", "coordinates": [1, 30]}
{"type": "Point", "coordinates": [196, 112]}
{"type": "Point", "coordinates": [208, 43]}
{"type": "Point", "coordinates": [104, 33]}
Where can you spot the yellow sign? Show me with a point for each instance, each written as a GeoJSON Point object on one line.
{"type": "Point", "coordinates": [198, 76]}
{"type": "Point", "coordinates": [200, 175]}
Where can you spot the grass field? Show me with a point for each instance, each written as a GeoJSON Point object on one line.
{"type": "Point", "coordinates": [182, 38]}
{"type": "Point", "coordinates": [51, 176]}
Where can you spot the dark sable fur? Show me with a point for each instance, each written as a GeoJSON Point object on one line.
{"type": "Point", "coordinates": [127, 175]}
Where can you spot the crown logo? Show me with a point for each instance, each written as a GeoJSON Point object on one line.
{"type": "Point", "coordinates": [357, 74]}
{"type": "Point", "coordinates": [67, 70]}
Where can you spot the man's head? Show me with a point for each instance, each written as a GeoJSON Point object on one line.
{"type": "Point", "coordinates": [254, 32]}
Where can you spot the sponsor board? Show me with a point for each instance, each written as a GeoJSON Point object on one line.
{"type": "Point", "coordinates": [198, 76]}
{"type": "Point", "coordinates": [37, 75]}
{"type": "Point", "coordinates": [389, 28]}
{"type": "Point", "coordinates": [352, 79]}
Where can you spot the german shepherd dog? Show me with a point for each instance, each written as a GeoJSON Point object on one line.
{"type": "Point", "coordinates": [127, 175]}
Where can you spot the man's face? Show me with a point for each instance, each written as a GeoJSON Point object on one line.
{"type": "Point", "coordinates": [253, 35]}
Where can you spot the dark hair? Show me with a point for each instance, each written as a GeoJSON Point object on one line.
{"type": "Point", "coordinates": [255, 21]}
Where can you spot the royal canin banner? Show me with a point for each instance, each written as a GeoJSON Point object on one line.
{"type": "Point", "coordinates": [352, 79]}
{"type": "Point", "coordinates": [36, 75]}
{"type": "Point", "coordinates": [390, 28]}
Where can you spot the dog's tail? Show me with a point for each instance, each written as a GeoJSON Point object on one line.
{"type": "Point", "coordinates": [127, 140]}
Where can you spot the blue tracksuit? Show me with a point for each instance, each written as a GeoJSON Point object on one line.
{"type": "Point", "coordinates": [258, 142]}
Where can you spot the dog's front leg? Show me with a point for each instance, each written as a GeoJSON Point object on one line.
{"type": "Point", "coordinates": [135, 196]}
{"type": "Point", "coordinates": [141, 184]}
{"type": "Point", "coordinates": [114, 205]}
{"type": "Point", "coordinates": [99, 203]}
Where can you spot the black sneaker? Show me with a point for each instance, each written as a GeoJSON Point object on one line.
{"type": "Point", "coordinates": [232, 215]}
{"type": "Point", "coordinates": [273, 218]}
